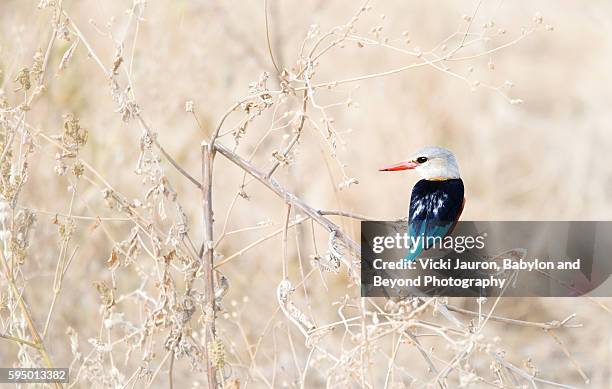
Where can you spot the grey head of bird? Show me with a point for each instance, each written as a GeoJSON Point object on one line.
{"type": "Point", "coordinates": [430, 163]}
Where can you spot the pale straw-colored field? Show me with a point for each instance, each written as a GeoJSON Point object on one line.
{"type": "Point", "coordinates": [103, 109]}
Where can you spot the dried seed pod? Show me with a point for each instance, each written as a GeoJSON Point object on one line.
{"type": "Point", "coordinates": [221, 289]}
{"type": "Point", "coordinates": [23, 78]}
{"type": "Point", "coordinates": [335, 250]}
{"type": "Point", "coordinates": [106, 294]}
{"type": "Point", "coordinates": [216, 353]}
{"type": "Point", "coordinates": [299, 316]}
{"type": "Point", "coordinates": [327, 264]}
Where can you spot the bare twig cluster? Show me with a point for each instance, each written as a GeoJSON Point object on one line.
{"type": "Point", "coordinates": [174, 277]}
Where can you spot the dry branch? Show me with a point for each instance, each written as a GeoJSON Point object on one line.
{"type": "Point", "coordinates": [207, 258]}
{"type": "Point", "coordinates": [289, 197]}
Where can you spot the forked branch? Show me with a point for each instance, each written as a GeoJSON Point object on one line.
{"type": "Point", "coordinates": [289, 197]}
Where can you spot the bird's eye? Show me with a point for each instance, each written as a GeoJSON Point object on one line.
{"type": "Point", "coordinates": [421, 159]}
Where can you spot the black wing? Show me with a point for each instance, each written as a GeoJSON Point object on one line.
{"type": "Point", "coordinates": [435, 207]}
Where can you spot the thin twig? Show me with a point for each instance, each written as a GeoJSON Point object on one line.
{"type": "Point", "coordinates": [267, 25]}
{"type": "Point", "coordinates": [544, 326]}
{"type": "Point", "coordinates": [283, 193]}
{"type": "Point", "coordinates": [257, 242]}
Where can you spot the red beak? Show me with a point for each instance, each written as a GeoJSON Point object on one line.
{"type": "Point", "coordinates": [408, 165]}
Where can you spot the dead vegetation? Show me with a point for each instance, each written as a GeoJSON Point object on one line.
{"type": "Point", "coordinates": [218, 268]}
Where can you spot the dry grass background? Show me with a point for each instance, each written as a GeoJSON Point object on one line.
{"type": "Point", "coordinates": [545, 159]}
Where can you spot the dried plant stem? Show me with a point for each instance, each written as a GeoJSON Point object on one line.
{"type": "Point", "coordinates": [422, 351]}
{"type": "Point", "coordinates": [60, 272]}
{"type": "Point", "coordinates": [346, 214]}
{"type": "Point", "coordinates": [172, 161]}
{"type": "Point", "coordinates": [257, 242]}
{"type": "Point", "coordinates": [568, 355]}
{"type": "Point", "coordinates": [283, 193]}
{"type": "Point", "coordinates": [18, 340]}
{"type": "Point", "coordinates": [208, 256]}
{"type": "Point", "coordinates": [285, 256]}
{"type": "Point", "coordinates": [392, 361]}
{"type": "Point", "coordinates": [171, 372]}
{"type": "Point", "coordinates": [215, 135]}
{"type": "Point", "coordinates": [61, 266]}
{"type": "Point", "coordinates": [365, 350]}
{"type": "Point", "coordinates": [544, 326]}
{"type": "Point", "coordinates": [169, 354]}
{"type": "Point", "coordinates": [38, 342]}
{"type": "Point", "coordinates": [295, 138]}
{"type": "Point", "coordinates": [137, 114]}
{"type": "Point", "coordinates": [530, 378]}
{"type": "Point", "coordinates": [267, 25]}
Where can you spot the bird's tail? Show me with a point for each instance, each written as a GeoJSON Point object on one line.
{"type": "Point", "coordinates": [414, 251]}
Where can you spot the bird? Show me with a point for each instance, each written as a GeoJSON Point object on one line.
{"type": "Point", "coordinates": [437, 200]}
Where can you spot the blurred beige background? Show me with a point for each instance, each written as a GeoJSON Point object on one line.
{"type": "Point", "coordinates": [546, 159]}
